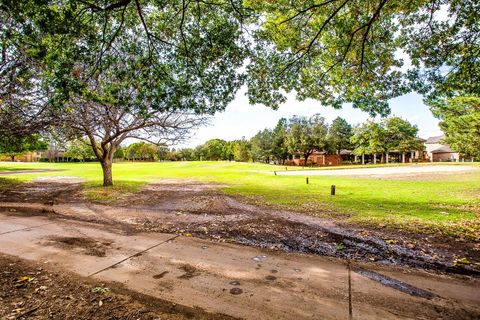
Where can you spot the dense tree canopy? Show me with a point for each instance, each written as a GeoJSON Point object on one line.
{"type": "Point", "coordinates": [262, 146]}
{"type": "Point", "coordinates": [392, 134]}
{"type": "Point", "coordinates": [240, 150]}
{"type": "Point", "coordinates": [79, 149]}
{"type": "Point", "coordinates": [279, 148]}
{"type": "Point", "coordinates": [307, 135]}
{"type": "Point", "coordinates": [141, 151]}
{"type": "Point", "coordinates": [401, 135]}
{"type": "Point", "coordinates": [369, 138]}
{"type": "Point", "coordinates": [460, 120]}
{"type": "Point", "coordinates": [215, 149]}
{"type": "Point", "coordinates": [365, 52]}
{"type": "Point", "coordinates": [190, 53]}
{"type": "Point", "coordinates": [180, 55]}
{"type": "Point", "coordinates": [339, 134]}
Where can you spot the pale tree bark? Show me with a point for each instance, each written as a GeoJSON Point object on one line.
{"type": "Point", "coordinates": [107, 173]}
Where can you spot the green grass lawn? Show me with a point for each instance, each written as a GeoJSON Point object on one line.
{"type": "Point", "coordinates": [446, 205]}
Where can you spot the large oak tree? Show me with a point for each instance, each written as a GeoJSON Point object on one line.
{"type": "Point", "coordinates": [130, 68]}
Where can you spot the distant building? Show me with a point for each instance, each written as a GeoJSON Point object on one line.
{"type": "Point", "coordinates": [54, 153]}
{"type": "Point", "coordinates": [438, 151]}
{"type": "Point", "coordinates": [319, 158]}
{"type": "Point", "coordinates": [32, 156]}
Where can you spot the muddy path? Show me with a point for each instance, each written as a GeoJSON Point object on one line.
{"type": "Point", "coordinates": [201, 210]}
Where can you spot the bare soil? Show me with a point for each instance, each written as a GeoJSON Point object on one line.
{"type": "Point", "coordinates": [29, 290]}
{"type": "Point", "coordinates": [200, 210]}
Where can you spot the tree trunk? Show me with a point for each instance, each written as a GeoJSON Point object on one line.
{"type": "Point", "coordinates": [12, 157]}
{"type": "Point", "coordinates": [107, 173]}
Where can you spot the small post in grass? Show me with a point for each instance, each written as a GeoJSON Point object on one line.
{"type": "Point", "coordinates": [286, 169]}
{"type": "Point", "coordinates": [275, 172]}
{"type": "Point", "coordinates": [307, 180]}
{"type": "Point", "coordinates": [332, 190]}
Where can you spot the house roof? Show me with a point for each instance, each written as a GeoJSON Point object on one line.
{"type": "Point", "coordinates": [345, 152]}
{"type": "Point", "coordinates": [443, 149]}
{"type": "Point", "coordinates": [436, 139]}
{"type": "Point", "coordinates": [314, 153]}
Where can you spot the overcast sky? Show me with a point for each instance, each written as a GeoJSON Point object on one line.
{"type": "Point", "coordinates": [241, 119]}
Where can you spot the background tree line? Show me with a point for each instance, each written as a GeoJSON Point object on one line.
{"type": "Point", "coordinates": [297, 136]}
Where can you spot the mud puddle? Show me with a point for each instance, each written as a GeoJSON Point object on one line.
{"type": "Point", "coordinates": [284, 235]}
{"type": "Point", "coordinates": [88, 246]}
{"type": "Point", "coordinates": [190, 272]}
{"type": "Point", "coordinates": [395, 284]}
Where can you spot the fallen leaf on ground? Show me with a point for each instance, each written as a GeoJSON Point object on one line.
{"type": "Point", "coordinates": [25, 278]}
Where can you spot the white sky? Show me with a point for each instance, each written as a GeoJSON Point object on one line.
{"type": "Point", "coordinates": [243, 120]}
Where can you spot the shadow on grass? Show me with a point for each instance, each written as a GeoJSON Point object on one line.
{"type": "Point", "coordinates": [7, 183]}
{"type": "Point", "coordinates": [10, 169]}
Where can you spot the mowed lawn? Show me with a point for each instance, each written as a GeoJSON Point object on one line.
{"type": "Point", "coordinates": [445, 204]}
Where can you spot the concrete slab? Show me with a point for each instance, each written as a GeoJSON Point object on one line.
{"type": "Point", "coordinates": [11, 223]}
{"type": "Point", "coordinates": [273, 286]}
{"type": "Point", "coordinates": [36, 243]}
{"type": "Point", "coordinates": [236, 280]}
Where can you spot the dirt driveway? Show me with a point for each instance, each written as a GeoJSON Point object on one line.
{"type": "Point", "coordinates": [385, 171]}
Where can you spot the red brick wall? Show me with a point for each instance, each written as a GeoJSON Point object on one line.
{"type": "Point", "coordinates": [442, 157]}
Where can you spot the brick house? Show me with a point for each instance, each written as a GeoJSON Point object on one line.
{"type": "Point", "coordinates": [438, 151]}
{"type": "Point", "coordinates": [319, 158]}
